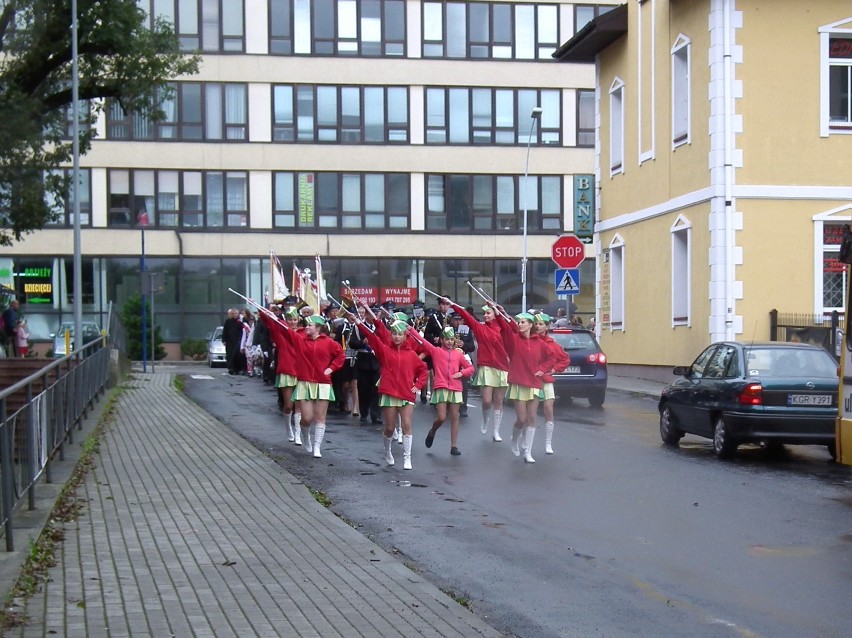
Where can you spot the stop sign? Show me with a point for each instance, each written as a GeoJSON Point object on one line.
{"type": "Point", "coordinates": [568, 251]}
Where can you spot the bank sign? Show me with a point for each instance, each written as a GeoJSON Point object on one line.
{"type": "Point", "coordinates": [584, 207]}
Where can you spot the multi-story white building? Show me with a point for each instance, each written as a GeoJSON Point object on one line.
{"type": "Point", "coordinates": [391, 137]}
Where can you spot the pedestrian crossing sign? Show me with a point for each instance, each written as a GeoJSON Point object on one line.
{"type": "Point", "coordinates": [567, 281]}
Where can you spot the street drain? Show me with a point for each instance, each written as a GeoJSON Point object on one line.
{"type": "Point", "coordinates": [406, 483]}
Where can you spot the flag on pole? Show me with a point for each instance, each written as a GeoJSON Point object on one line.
{"type": "Point", "coordinates": [320, 281]}
{"type": "Point", "coordinates": [297, 281]}
{"type": "Point", "coordinates": [279, 286]}
{"type": "Point", "coordinates": [309, 290]}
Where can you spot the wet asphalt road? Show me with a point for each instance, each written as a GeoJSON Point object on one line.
{"type": "Point", "coordinates": [614, 535]}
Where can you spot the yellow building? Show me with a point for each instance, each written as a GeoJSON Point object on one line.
{"type": "Point", "coordinates": [722, 167]}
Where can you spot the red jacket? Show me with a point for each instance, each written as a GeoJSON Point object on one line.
{"type": "Point", "coordinates": [527, 356]}
{"type": "Point", "coordinates": [557, 359]}
{"type": "Point", "coordinates": [490, 349]}
{"type": "Point", "coordinates": [313, 356]}
{"type": "Point", "coordinates": [286, 352]}
{"type": "Point", "coordinates": [402, 369]}
{"type": "Point", "coordinates": [445, 363]}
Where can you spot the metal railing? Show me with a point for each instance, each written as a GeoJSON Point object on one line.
{"type": "Point", "coordinates": [52, 402]}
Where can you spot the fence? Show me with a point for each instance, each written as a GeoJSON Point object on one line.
{"type": "Point", "coordinates": [817, 328]}
{"type": "Point", "coordinates": [38, 415]}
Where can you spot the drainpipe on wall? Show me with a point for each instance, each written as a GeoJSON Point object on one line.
{"type": "Point", "coordinates": [182, 326]}
{"type": "Point", "coordinates": [728, 113]}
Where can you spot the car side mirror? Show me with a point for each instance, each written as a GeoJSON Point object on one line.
{"type": "Point", "coordinates": [682, 371]}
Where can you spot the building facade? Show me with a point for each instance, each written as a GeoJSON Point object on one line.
{"type": "Point", "coordinates": [722, 132]}
{"type": "Point", "coordinates": [394, 138]}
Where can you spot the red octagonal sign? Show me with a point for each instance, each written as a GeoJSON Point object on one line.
{"type": "Point", "coordinates": [568, 251]}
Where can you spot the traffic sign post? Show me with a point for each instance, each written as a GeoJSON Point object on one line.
{"type": "Point", "coordinates": [567, 282]}
{"type": "Point", "coordinates": [568, 252]}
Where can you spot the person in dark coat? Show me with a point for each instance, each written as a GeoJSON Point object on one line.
{"type": "Point", "coordinates": [232, 335]}
{"type": "Point", "coordinates": [264, 340]}
{"type": "Point", "coordinates": [367, 370]}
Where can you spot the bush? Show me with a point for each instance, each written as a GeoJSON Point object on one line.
{"type": "Point", "coordinates": [195, 349]}
{"type": "Point", "coordinates": [131, 317]}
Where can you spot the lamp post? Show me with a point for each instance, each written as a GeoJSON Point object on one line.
{"type": "Point", "coordinates": [535, 116]}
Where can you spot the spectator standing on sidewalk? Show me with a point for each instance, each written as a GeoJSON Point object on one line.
{"type": "Point", "coordinates": [232, 335]}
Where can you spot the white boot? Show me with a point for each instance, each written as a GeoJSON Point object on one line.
{"type": "Point", "coordinates": [319, 433]}
{"type": "Point", "coordinates": [406, 451]}
{"type": "Point", "coordinates": [516, 435]}
{"type": "Point", "coordinates": [548, 437]}
{"type": "Point", "coordinates": [529, 435]}
{"type": "Point", "coordinates": [397, 433]}
{"type": "Point", "coordinates": [291, 432]}
{"type": "Point", "coordinates": [297, 429]}
{"type": "Point", "coordinates": [306, 437]}
{"type": "Point", "coordinates": [487, 415]}
{"type": "Point", "coordinates": [388, 452]}
{"type": "Point", "coordinates": [498, 420]}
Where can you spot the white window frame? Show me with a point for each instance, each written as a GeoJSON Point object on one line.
{"type": "Point", "coordinates": [616, 284]}
{"type": "Point", "coordinates": [616, 127]}
{"type": "Point", "coordinates": [681, 232]}
{"type": "Point", "coordinates": [843, 29]}
{"type": "Point", "coordinates": [681, 91]}
{"type": "Point", "coordinates": [840, 215]}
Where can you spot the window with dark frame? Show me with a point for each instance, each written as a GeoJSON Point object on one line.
{"type": "Point", "coordinates": [489, 31]}
{"type": "Point", "coordinates": [340, 114]}
{"type": "Point", "coordinates": [178, 199]}
{"type": "Point", "coordinates": [341, 201]}
{"type": "Point", "coordinates": [365, 28]}
{"type": "Point", "coordinates": [585, 118]}
{"type": "Point", "coordinates": [493, 202]}
{"type": "Point", "coordinates": [84, 194]}
{"type": "Point", "coordinates": [585, 13]}
{"type": "Point", "coordinates": [208, 26]}
{"type": "Point", "coordinates": [196, 111]}
{"type": "Point", "coordinates": [492, 116]}
{"type": "Point", "coordinates": [840, 82]}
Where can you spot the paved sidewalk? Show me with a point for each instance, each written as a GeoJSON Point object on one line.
{"type": "Point", "coordinates": [191, 531]}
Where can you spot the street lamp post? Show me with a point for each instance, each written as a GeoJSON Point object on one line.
{"type": "Point", "coordinates": [535, 115]}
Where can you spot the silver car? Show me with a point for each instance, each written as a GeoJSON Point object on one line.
{"type": "Point", "coordinates": [91, 332]}
{"type": "Point", "coordinates": [215, 349]}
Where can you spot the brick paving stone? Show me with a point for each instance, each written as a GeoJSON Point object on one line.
{"type": "Point", "coordinates": [172, 542]}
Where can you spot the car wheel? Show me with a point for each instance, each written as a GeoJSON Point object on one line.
{"type": "Point", "coordinates": [210, 362]}
{"type": "Point", "coordinates": [669, 432]}
{"type": "Point", "coordinates": [596, 399]}
{"type": "Point", "coordinates": [723, 444]}
{"type": "Point", "coordinates": [832, 449]}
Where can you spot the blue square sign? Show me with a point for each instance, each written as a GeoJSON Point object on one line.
{"type": "Point", "coordinates": [567, 281]}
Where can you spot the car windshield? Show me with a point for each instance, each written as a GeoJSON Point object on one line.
{"type": "Point", "coordinates": [790, 362]}
{"type": "Point", "coordinates": [217, 334]}
{"type": "Point", "coordinates": [574, 340]}
{"type": "Point", "coordinates": [89, 330]}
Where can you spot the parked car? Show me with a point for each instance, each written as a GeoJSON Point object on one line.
{"type": "Point", "coordinates": [586, 375]}
{"type": "Point", "coordinates": [215, 349]}
{"type": "Point", "coordinates": [771, 393]}
{"type": "Point", "coordinates": [91, 332]}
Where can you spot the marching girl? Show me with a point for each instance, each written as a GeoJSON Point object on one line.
{"type": "Point", "coordinates": [557, 361]}
{"type": "Point", "coordinates": [449, 367]}
{"type": "Point", "coordinates": [403, 376]}
{"type": "Point", "coordinates": [317, 356]}
{"type": "Point", "coordinates": [285, 370]}
{"type": "Point", "coordinates": [527, 363]}
{"type": "Point", "coordinates": [492, 367]}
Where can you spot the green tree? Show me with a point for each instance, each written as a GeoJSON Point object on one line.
{"type": "Point", "coordinates": [131, 317]}
{"type": "Point", "coordinates": [123, 55]}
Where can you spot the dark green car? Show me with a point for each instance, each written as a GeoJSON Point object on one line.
{"type": "Point", "coordinates": [771, 393]}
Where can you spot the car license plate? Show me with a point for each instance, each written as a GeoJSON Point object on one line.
{"type": "Point", "coordinates": [809, 399]}
{"type": "Point", "coordinates": [572, 370]}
